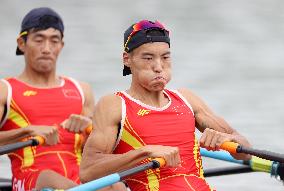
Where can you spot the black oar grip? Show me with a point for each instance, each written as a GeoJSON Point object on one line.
{"type": "Point", "coordinates": [38, 140]}
{"type": "Point", "coordinates": [158, 162]}
{"type": "Point", "coordinates": [14, 146]}
{"type": "Point", "coordinates": [155, 163]}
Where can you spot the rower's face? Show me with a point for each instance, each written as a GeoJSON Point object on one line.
{"type": "Point", "coordinates": [150, 65]}
{"type": "Point", "coordinates": [41, 49]}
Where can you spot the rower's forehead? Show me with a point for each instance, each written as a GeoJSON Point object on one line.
{"type": "Point", "coordinates": [47, 33]}
{"type": "Point", "coordinates": [160, 48]}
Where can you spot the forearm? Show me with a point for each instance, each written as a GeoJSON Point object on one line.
{"type": "Point", "coordinates": [105, 164]}
{"type": "Point", "coordinates": [218, 124]}
{"type": "Point", "coordinates": [12, 136]}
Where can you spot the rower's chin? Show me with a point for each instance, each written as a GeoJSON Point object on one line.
{"type": "Point", "coordinates": [158, 87]}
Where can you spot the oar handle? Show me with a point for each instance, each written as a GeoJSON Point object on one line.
{"type": "Point", "coordinates": [38, 140]}
{"type": "Point", "coordinates": [231, 147]}
{"type": "Point", "coordinates": [160, 162]}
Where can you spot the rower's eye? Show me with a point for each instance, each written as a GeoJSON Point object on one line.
{"type": "Point", "coordinates": [38, 39]}
{"type": "Point", "coordinates": [147, 58]}
{"type": "Point", "coordinates": [55, 40]}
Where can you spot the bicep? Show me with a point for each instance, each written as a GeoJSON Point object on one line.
{"type": "Point", "coordinates": [101, 141]}
{"type": "Point", "coordinates": [106, 119]}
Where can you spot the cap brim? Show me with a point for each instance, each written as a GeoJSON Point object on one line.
{"type": "Point", "coordinates": [126, 71]}
{"type": "Point", "coordinates": [19, 52]}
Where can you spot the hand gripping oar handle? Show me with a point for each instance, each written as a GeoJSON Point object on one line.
{"type": "Point", "coordinates": [116, 177]}
{"type": "Point", "coordinates": [37, 140]}
{"type": "Point", "coordinates": [34, 141]}
{"type": "Point", "coordinates": [234, 148]}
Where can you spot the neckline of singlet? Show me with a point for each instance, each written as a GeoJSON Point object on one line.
{"type": "Point", "coordinates": [62, 83]}
{"type": "Point", "coordinates": [149, 106]}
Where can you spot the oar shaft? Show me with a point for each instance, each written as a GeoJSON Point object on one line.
{"type": "Point", "coordinates": [139, 168]}
{"type": "Point", "coordinates": [234, 148]}
{"type": "Point", "coordinates": [227, 171]}
{"type": "Point", "coordinates": [220, 155]}
{"type": "Point", "coordinates": [14, 146]}
{"type": "Point", "coordinates": [268, 155]}
{"type": "Point", "coordinates": [116, 177]}
{"type": "Point", "coordinates": [256, 163]}
{"type": "Point", "coordinates": [98, 183]}
{"type": "Point", "coordinates": [111, 179]}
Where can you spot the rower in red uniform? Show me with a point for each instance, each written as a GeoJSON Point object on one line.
{"type": "Point", "coordinates": [148, 120]}
{"type": "Point", "coordinates": [142, 120]}
{"type": "Point", "coordinates": [40, 102]}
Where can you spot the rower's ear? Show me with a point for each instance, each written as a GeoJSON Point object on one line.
{"type": "Point", "coordinates": [126, 58]}
{"type": "Point", "coordinates": [21, 43]}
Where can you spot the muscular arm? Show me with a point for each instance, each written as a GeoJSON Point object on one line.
{"type": "Point", "coordinates": [16, 135]}
{"type": "Point", "coordinates": [206, 120]}
{"type": "Point", "coordinates": [13, 135]}
{"type": "Point", "coordinates": [97, 159]}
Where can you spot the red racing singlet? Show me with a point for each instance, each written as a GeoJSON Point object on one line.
{"type": "Point", "coordinates": [28, 105]}
{"type": "Point", "coordinates": [171, 125]}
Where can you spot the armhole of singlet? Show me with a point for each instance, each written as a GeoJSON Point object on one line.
{"type": "Point", "coordinates": [8, 103]}
{"type": "Point", "coordinates": [120, 129]}
{"type": "Point", "coordinates": [183, 99]}
{"type": "Point", "coordinates": [78, 86]}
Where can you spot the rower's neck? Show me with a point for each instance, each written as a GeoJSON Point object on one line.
{"type": "Point", "coordinates": [40, 80]}
{"type": "Point", "coordinates": [153, 98]}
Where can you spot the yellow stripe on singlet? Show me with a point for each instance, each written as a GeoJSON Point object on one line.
{"type": "Point", "coordinates": [127, 137]}
{"type": "Point", "coordinates": [78, 147]}
{"type": "Point", "coordinates": [22, 122]}
{"type": "Point", "coordinates": [197, 159]}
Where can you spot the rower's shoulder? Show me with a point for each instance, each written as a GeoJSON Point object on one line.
{"type": "Point", "coordinates": [110, 100]}
{"type": "Point", "coordinates": [185, 92]}
{"type": "Point", "coordinates": [87, 88]}
{"type": "Point", "coordinates": [84, 84]}
{"type": "Point", "coordinates": [109, 108]}
{"type": "Point", "coordinates": [195, 101]}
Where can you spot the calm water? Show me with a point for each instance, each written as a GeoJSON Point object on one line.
{"type": "Point", "coordinates": [230, 53]}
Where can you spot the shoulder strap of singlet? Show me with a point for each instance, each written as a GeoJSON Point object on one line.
{"type": "Point", "coordinates": [8, 102]}
{"type": "Point", "coordinates": [123, 116]}
{"type": "Point", "coordinates": [182, 98]}
{"type": "Point", "coordinates": [78, 86]}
